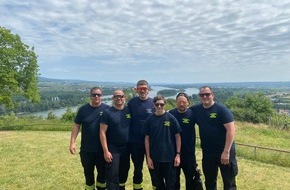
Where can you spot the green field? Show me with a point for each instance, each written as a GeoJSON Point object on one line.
{"type": "Point", "coordinates": [41, 160]}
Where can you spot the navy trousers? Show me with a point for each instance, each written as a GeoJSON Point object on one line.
{"type": "Point", "coordinates": [137, 151]}
{"type": "Point", "coordinates": [117, 170]}
{"type": "Point", "coordinates": [90, 161]}
{"type": "Point", "coordinates": [165, 175]}
{"type": "Point", "coordinates": [191, 173]}
{"type": "Point", "coordinates": [210, 165]}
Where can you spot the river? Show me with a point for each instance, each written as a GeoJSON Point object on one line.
{"type": "Point", "coordinates": [152, 93]}
{"type": "Point", "coordinates": [155, 89]}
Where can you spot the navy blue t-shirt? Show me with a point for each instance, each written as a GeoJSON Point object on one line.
{"type": "Point", "coordinates": [188, 132]}
{"type": "Point", "coordinates": [211, 126]}
{"type": "Point", "coordinates": [161, 131]}
{"type": "Point", "coordinates": [89, 118]}
{"type": "Point", "coordinates": [140, 110]}
{"type": "Point", "coordinates": [117, 134]}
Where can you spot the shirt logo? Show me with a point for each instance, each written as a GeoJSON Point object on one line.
{"type": "Point", "coordinates": [185, 120]}
{"type": "Point", "coordinates": [213, 115]}
{"type": "Point", "coordinates": [167, 123]}
{"type": "Point", "coordinates": [128, 116]}
{"type": "Point", "coordinates": [101, 113]}
{"type": "Point", "coordinates": [148, 110]}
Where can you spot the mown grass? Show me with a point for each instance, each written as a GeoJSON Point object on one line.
{"type": "Point", "coordinates": [247, 133]}
{"type": "Point", "coordinates": [32, 123]}
{"type": "Point", "coordinates": [41, 160]}
{"type": "Point", "coordinates": [263, 136]}
{"type": "Point", "coordinates": [254, 141]}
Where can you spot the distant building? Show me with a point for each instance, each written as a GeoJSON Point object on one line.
{"type": "Point", "coordinates": [55, 98]}
{"type": "Point", "coordinates": [284, 111]}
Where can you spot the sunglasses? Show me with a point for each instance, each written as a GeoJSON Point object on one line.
{"type": "Point", "coordinates": [118, 96]}
{"type": "Point", "coordinates": [142, 88]}
{"type": "Point", "coordinates": [205, 94]}
{"type": "Point", "coordinates": [96, 95]}
{"type": "Point", "coordinates": [159, 104]}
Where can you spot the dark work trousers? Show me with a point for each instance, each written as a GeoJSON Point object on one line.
{"type": "Point", "coordinates": [165, 174]}
{"type": "Point", "coordinates": [191, 173]}
{"type": "Point", "coordinates": [117, 171]}
{"type": "Point", "coordinates": [153, 178]}
{"type": "Point", "coordinates": [89, 161]}
{"type": "Point", "coordinates": [137, 151]}
{"type": "Point", "coordinates": [210, 165]}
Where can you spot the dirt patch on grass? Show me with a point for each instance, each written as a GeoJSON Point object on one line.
{"type": "Point", "coordinates": [5, 132]}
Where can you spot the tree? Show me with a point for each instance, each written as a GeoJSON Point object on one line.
{"type": "Point", "coordinates": [18, 69]}
{"type": "Point", "coordinates": [170, 104]}
{"type": "Point", "coordinates": [69, 115]}
{"type": "Point", "coordinates": [252, 107]}
{"type": "Point", "coordinates": [51, 116]}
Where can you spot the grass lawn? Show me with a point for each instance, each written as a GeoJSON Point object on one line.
{"type": "Point", "coordinates": [41, 160]}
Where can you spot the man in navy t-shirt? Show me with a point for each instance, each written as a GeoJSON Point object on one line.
{"type": "Point", "coordinates": [114, 136]}
{"type": "Point", "coordinates": [217, 133]}
{"type": "Point", "coordinates": [140, 108]}
{"type": "Point", "coordinates": [188, 140]}
{"type": "Point", "coordinates": [88, 117]}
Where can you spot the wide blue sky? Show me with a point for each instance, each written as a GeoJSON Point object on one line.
{"type": "Point", "coordinates": [158, 40]}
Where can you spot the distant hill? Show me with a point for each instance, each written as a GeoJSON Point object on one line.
{"type": "Point", "coordinates": [73, 81]}
{"type": "Point", "coordinates": [246, 85]}
{"type": "Point", "coordinates": [197, 85]}
{"type": "Point", "coordinates": [44, 79]}
{"type": "Point", "coordinates": [252, 85]}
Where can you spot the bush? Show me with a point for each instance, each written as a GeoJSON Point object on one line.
{"type": "Point", "coordinates": [279, 121]}
{"type": "Point", "coordinates": [69, 115]}
{"type": "Point", "coordinates": [254, 107]}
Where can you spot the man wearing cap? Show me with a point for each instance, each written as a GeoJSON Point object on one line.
{"type": "Point", "coordinates": [187, 153]}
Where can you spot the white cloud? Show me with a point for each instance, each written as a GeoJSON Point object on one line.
{"type": "Point", "coordinates": [165, 41]}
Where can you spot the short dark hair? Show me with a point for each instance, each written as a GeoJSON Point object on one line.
{"type": "Point", "coordinates": [159, 97]}
{"type": "Point", "coordinates": [142, 82]}
{"type": "Point", "coordinates": [182, 94]}
{"type": "Point", "coordinates": [96, 88]}
{"type": "Point", "coordinates": [206, 87]}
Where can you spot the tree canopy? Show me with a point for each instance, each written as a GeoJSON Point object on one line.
{"type": "Point", "coordinates": [251, 107]}
{"type": "Point", "coordinates": [18, 69]}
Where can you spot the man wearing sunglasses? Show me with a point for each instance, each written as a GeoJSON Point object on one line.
{"type": "Point", "coordinates": [114, 136]}
{"type": "Point", "coordinates": [88, 117]}
{"type": "Point", "coordinates": [217, 133]}
{"type": "Point", "coordinates": [187, 156]}
{"type": "Point", "coordinates": [162, 144]}
{"type": "Point", "coordinates": [140, 108]}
